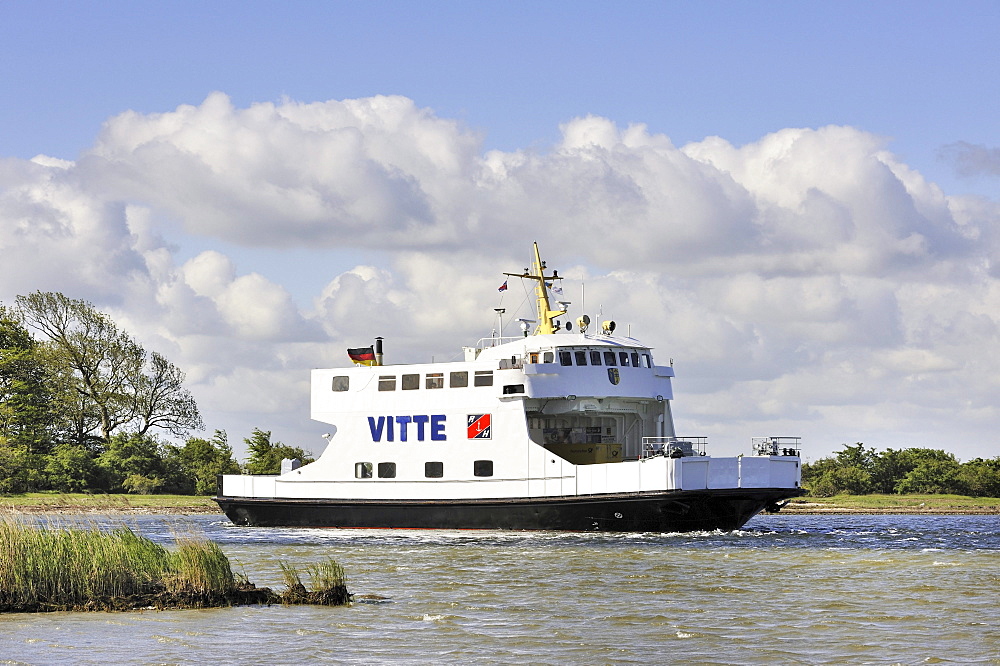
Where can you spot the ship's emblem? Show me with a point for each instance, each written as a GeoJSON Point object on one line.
{"type": "Point", "coordinates": [479, 426]}
{"type": "Point", "coordinates": [613, 376]}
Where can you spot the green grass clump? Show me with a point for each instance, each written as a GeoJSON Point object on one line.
{"type": "Point", "coordinates": [327, 584]}
{"type": "Point", "coordinates": [52, 567]}
{"type": "Point", "coordinates": [199, 567]}
{"type": "Point", "coordinates": [58, 567]}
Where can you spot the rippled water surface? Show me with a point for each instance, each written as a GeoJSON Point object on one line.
{"type": "Point", "coordinates": [786, 589]}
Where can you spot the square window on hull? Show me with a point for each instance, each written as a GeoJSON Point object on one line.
{"type": "Point", "coordinates": [482, 468]}
{"type": "Point", "coordinates": [433, 470]}
{"type": "Point", "coordinates": [387, 470]}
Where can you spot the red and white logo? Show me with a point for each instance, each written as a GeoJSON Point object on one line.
{"type": "Point", "coordinates": [479, 426]}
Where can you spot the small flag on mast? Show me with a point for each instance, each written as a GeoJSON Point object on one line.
{"type": "Point", "coordinates": [362, 355]}
{"type": "Point", "coordinates": [503, 287]}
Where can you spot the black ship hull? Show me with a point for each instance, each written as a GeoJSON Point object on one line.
{"type": "Point", "coordinates": [668, 511]}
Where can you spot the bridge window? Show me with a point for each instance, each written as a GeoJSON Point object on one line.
{"type": "Point", "coordinates": [435, 380]}
{"type": "Point", "coordinates": [341, 383]}
{"type": "Point", "coordinates": [482, 468]}
{"type": "Point", "coordinates": [433, 470]}
{"type": "Point", "coordinates": [411, 382]}
{"type": "Point", "coordinates": [609, 358]}
{"type": "Point", "coordinates": [581, 358]}
{"type": "Point", "coordinates": [387, 470]}
{"type": "Point", "coordinates": [362, 470]}
{"type": "Point", "coordinates": [458, 379]}
{"type": "Point", "coordinates": [548, 357]}
{"type": "Point", "coordinates": [483, 378]}
{"type": "Point", "coordinates": [565, 358]}
{"type": "Point", "coordinates": [622, 356]}
{"type": "Point", "coordinates": [509, 389]}
{"type": "Point", "coordinates": [635, 359]}
{"type": "Point", "coordinates": [646, 362]}
{"type": "Point", "coordinates": [387, 383]}
{"type": "Point", "coordinates": [595, 358]}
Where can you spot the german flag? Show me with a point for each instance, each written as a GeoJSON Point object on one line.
{"type": "Point", "coordinates": [362, 355]}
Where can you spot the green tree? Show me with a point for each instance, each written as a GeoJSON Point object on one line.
{"type": "Point", "coordinates": [857, 470]}
{"type": "Point", "coordinates": [202, 460]}
{"type": "Point", "coordinates": [850, 480]}
{"type": "Point", "coordinates": [890, 467]}
{"type": "Point", "coordinates": [981, 478]}
{"type": "Point", "coordinates": [138, 484]}
{"type": "Point", "coordinates": [161, 400]}
{"type": "Point", "coordinates": [265, 456]}
{"type": "Point", "coordinates": [933, 475]}
{"type": "Point", "coordinates": [850, 472]}
{"type": "Point", "coordinates": [857, 455]}
{"type": "Point", "coordinates": [814, 471]}
{"type": "Point", "coordinates": [913, 470]}
{"type": "Point", "coordinates": [31, 402]}
{"type": "Point", "coordinates": [70, 468]}
{"type": "Point", "coordinates": [130, 455]}
{"type": "Point", "coordinates": [116, 383]}
{"type": "Point", "coordinates": [11, 464]}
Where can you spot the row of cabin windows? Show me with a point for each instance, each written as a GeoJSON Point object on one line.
{"type": "Point", "coordinates": [432, 380]}
{"type": "Point", "coordinates": [432, 470]}
{"type": "Point", "coordinates": [623, 358]}
{"type": "Point", "coordinates": [460, 379]}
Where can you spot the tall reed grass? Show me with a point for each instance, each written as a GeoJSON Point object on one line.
{"type": "Point", "coordinates": [327, 584]}
{"type": "Point", "coordinates": [79, 567]}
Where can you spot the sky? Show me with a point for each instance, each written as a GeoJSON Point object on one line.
{"type": "Point", "coordinates": [798, 203]}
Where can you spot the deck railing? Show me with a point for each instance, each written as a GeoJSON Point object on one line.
{"type": "Point", "coordinates": [776, 446]}
{"type": "Point", "coordinates": [486, 343]}
{"type": "Point", "coordinates": [676, 447]}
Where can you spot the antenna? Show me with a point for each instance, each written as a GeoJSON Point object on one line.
{"type": "Point", "coordinates": [546, 315]}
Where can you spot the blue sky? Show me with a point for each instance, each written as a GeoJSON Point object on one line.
{"type": "Point", "coordinates": [921, 73]}
{"type": "Point", "coordinates": [524, 93]}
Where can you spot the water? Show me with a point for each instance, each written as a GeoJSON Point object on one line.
{"type": "Point", "coordinates": [786, 589]}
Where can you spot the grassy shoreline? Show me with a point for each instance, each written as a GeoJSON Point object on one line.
{"type": "Point", "coordinates": [57, 503]}
{"type": "Point", "coordinates": [899, 504]}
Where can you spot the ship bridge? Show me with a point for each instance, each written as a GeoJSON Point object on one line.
{"type": "Point", "coordinates": [589, 398]}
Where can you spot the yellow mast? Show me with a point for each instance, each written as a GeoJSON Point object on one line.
{"type": "Point", "coordinates": [546, 315]}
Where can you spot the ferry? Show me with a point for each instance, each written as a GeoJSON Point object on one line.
{"type": "Point", "coordinates": [554, 429]}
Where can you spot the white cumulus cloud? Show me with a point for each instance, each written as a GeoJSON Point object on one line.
{"type": "Point", "coordinates": [808, 282]}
